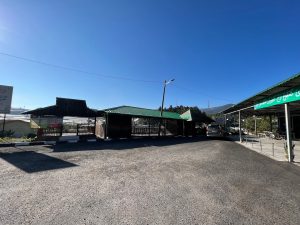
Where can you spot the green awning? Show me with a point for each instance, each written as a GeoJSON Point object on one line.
{"type": "Point", "coordinates": [269, 96]}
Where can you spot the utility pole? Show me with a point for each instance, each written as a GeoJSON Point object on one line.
{"type": "Point", "coordinates": [162, 104]}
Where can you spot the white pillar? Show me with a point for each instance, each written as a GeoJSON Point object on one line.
{"type": "Point", "coordinates": [255, 125]}
{"type": "Point", "coordinates": [288, 130]}
{"type": "Point", "coordinates": [240, 126]}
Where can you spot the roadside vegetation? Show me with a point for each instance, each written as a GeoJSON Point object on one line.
{"type": "Point", "coordinates": [7, 137]}
{"type": "Point", "coordinates": [248, 123]}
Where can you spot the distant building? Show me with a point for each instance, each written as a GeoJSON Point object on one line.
{"type": "Point", "coordinates": [20, 127]}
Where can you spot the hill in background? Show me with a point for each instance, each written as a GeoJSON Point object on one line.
{"type": "Point", "coordinates": [17, 111]}
{"type": "Point", "coordinates": [217, 109]}
{"type": "Point", "coordinates": [16, 114]}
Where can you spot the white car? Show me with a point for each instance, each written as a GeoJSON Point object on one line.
{"type": "Point", "coordinates": [215, 131]}
{"type": "Point", "coordinates": [235, 129]}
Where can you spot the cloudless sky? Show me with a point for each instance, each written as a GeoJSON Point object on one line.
{"type": "Point", "coordinates": [218, 51]}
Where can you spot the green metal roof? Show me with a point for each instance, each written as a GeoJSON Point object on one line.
{"type": "Point", "coordinates": [285, 85]}
{"type": "Point", "coordinates": [141, 112]}
{"type": "Point", "coordinates": [195, 116]}
{"type": "Point", "coordinates": [187, 115]}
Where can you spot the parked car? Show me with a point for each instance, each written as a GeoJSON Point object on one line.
{"type": "Point", "coordinates": [215, 131]}
{"type": "Point", "coordinates": [235, 129]}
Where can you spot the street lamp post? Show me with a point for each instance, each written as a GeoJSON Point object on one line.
{"type": "Point", "coordinates": [162, 104]}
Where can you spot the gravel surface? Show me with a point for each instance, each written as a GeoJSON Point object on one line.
{"type": "Point", "coordinates": [149, 181]}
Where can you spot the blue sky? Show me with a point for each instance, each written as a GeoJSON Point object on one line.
{"type": "Point", "coordinates": [218, 51]}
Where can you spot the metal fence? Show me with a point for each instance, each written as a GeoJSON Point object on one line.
{"type": "Point", "coordinates": [270, 146]}
{"type": "Point", "coordinates": [144, 130]}
{"type": "Point", "coordinates": [75, 129]}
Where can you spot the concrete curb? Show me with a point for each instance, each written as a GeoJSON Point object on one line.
{"type": "Point", "coordinates": [18, 144]}
{"type": "Point", "coordinates": [92, 140]}
{"type": "Point", "coordinates": [261, 153]}
{"type": "Point", "coordinates": [22, 144]}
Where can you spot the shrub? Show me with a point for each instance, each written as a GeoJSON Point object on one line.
{"type": "Point", "coordinates": [6, 133]}
{"type": "Point", "coordinates": [31, 135]}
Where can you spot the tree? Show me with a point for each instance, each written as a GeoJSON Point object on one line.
{"type": "Point", "coordinates": [197, 113]}
{"type": "Point", "coordinates": [180, 109]}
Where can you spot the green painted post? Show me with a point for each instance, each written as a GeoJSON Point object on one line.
{"type": "Point", "coordinates": [240, 126]}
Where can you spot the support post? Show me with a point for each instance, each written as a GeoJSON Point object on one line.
{"type": "Point", "coordinates": [240, 126]}
{"type": "Point", "coordinates": [255, 125]}
{"type": "Point", "coordinates": [106, 126]}
{"type": "Point", "coordinates": [61, 130]}
{"type": "Point", "coordinates": [95, 126]}
{"type": "Point", "coordinates": [225, 118]}
{"type": "Point", "coordinates": [149, 126]}
{"type": "Point", "coordinates": [3, 127]}
{"type": "Point", "coordinates": [288, 131]}
{"type": "Point", "coordinates": [260, 145]}
{"type": "Point", "coordinates": [270, 121]}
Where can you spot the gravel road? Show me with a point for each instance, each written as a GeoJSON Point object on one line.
{"type": "Point", "coordinates": [147, 181]}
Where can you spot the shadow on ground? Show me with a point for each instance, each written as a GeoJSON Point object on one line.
{"type": "Point", "coordinates": [31, 162]}
{"type": "Point", "coordinates": [126, 144]}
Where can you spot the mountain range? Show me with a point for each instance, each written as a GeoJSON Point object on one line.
{"type": "Point", "coordinates": [17, 111]}
{"type": "Point", "coordinates": [217, 109]}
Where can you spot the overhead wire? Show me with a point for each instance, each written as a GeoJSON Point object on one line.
{"type": "Point", "coordinates": [103, 75]}
{"type": "Point", "coordinates": [76, 70]}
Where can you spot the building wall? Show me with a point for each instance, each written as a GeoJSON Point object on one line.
{"type": "Point", "coordinates": [295, 124]}
{"type": "Point", "coordinates": [180, 127]}
{"type": "Point", "coordinates": [189, 128]}
{"type": "Point", "coordinates": [100, 129]}
{"type": "Point", "coordinates": [20, 128]}
{"type": "Point", "coordinates": [172, 127]}
{"type": "Point", "coordinates": [119, 126]}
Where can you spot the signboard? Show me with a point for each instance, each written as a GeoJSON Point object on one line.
{"type": "Point", "coordinates": [5, 98]}
{"type": "Point", "coordinates": [46, 122]}
{"type": "Point", "coordinates": [281, 98]}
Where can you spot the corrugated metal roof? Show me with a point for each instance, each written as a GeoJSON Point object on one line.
{"type": "Point", "coordinates": [187, 115]}
{"type": "Point", "coordinates": [141, 112]}
{"type": "Point", "coordinates": [66, 107]}
{"type": "Point", "coordinates": [261, 96]}
{"type": "Point", "coordinates": [196, 116]}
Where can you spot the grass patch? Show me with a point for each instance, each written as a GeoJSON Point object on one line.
{"type": "Point", "coordinates": [12, 140]}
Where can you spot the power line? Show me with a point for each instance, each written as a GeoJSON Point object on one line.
{"type": "Point", "coordinates": [103, 75]}
{"type": "Point", "coordinates": [76, 70]}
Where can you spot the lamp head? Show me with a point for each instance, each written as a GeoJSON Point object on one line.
{"type": "Point", "coordinates": [169, 81]}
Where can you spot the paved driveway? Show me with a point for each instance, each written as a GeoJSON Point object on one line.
{"type": "Point", "coordinates": [168, 181]}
